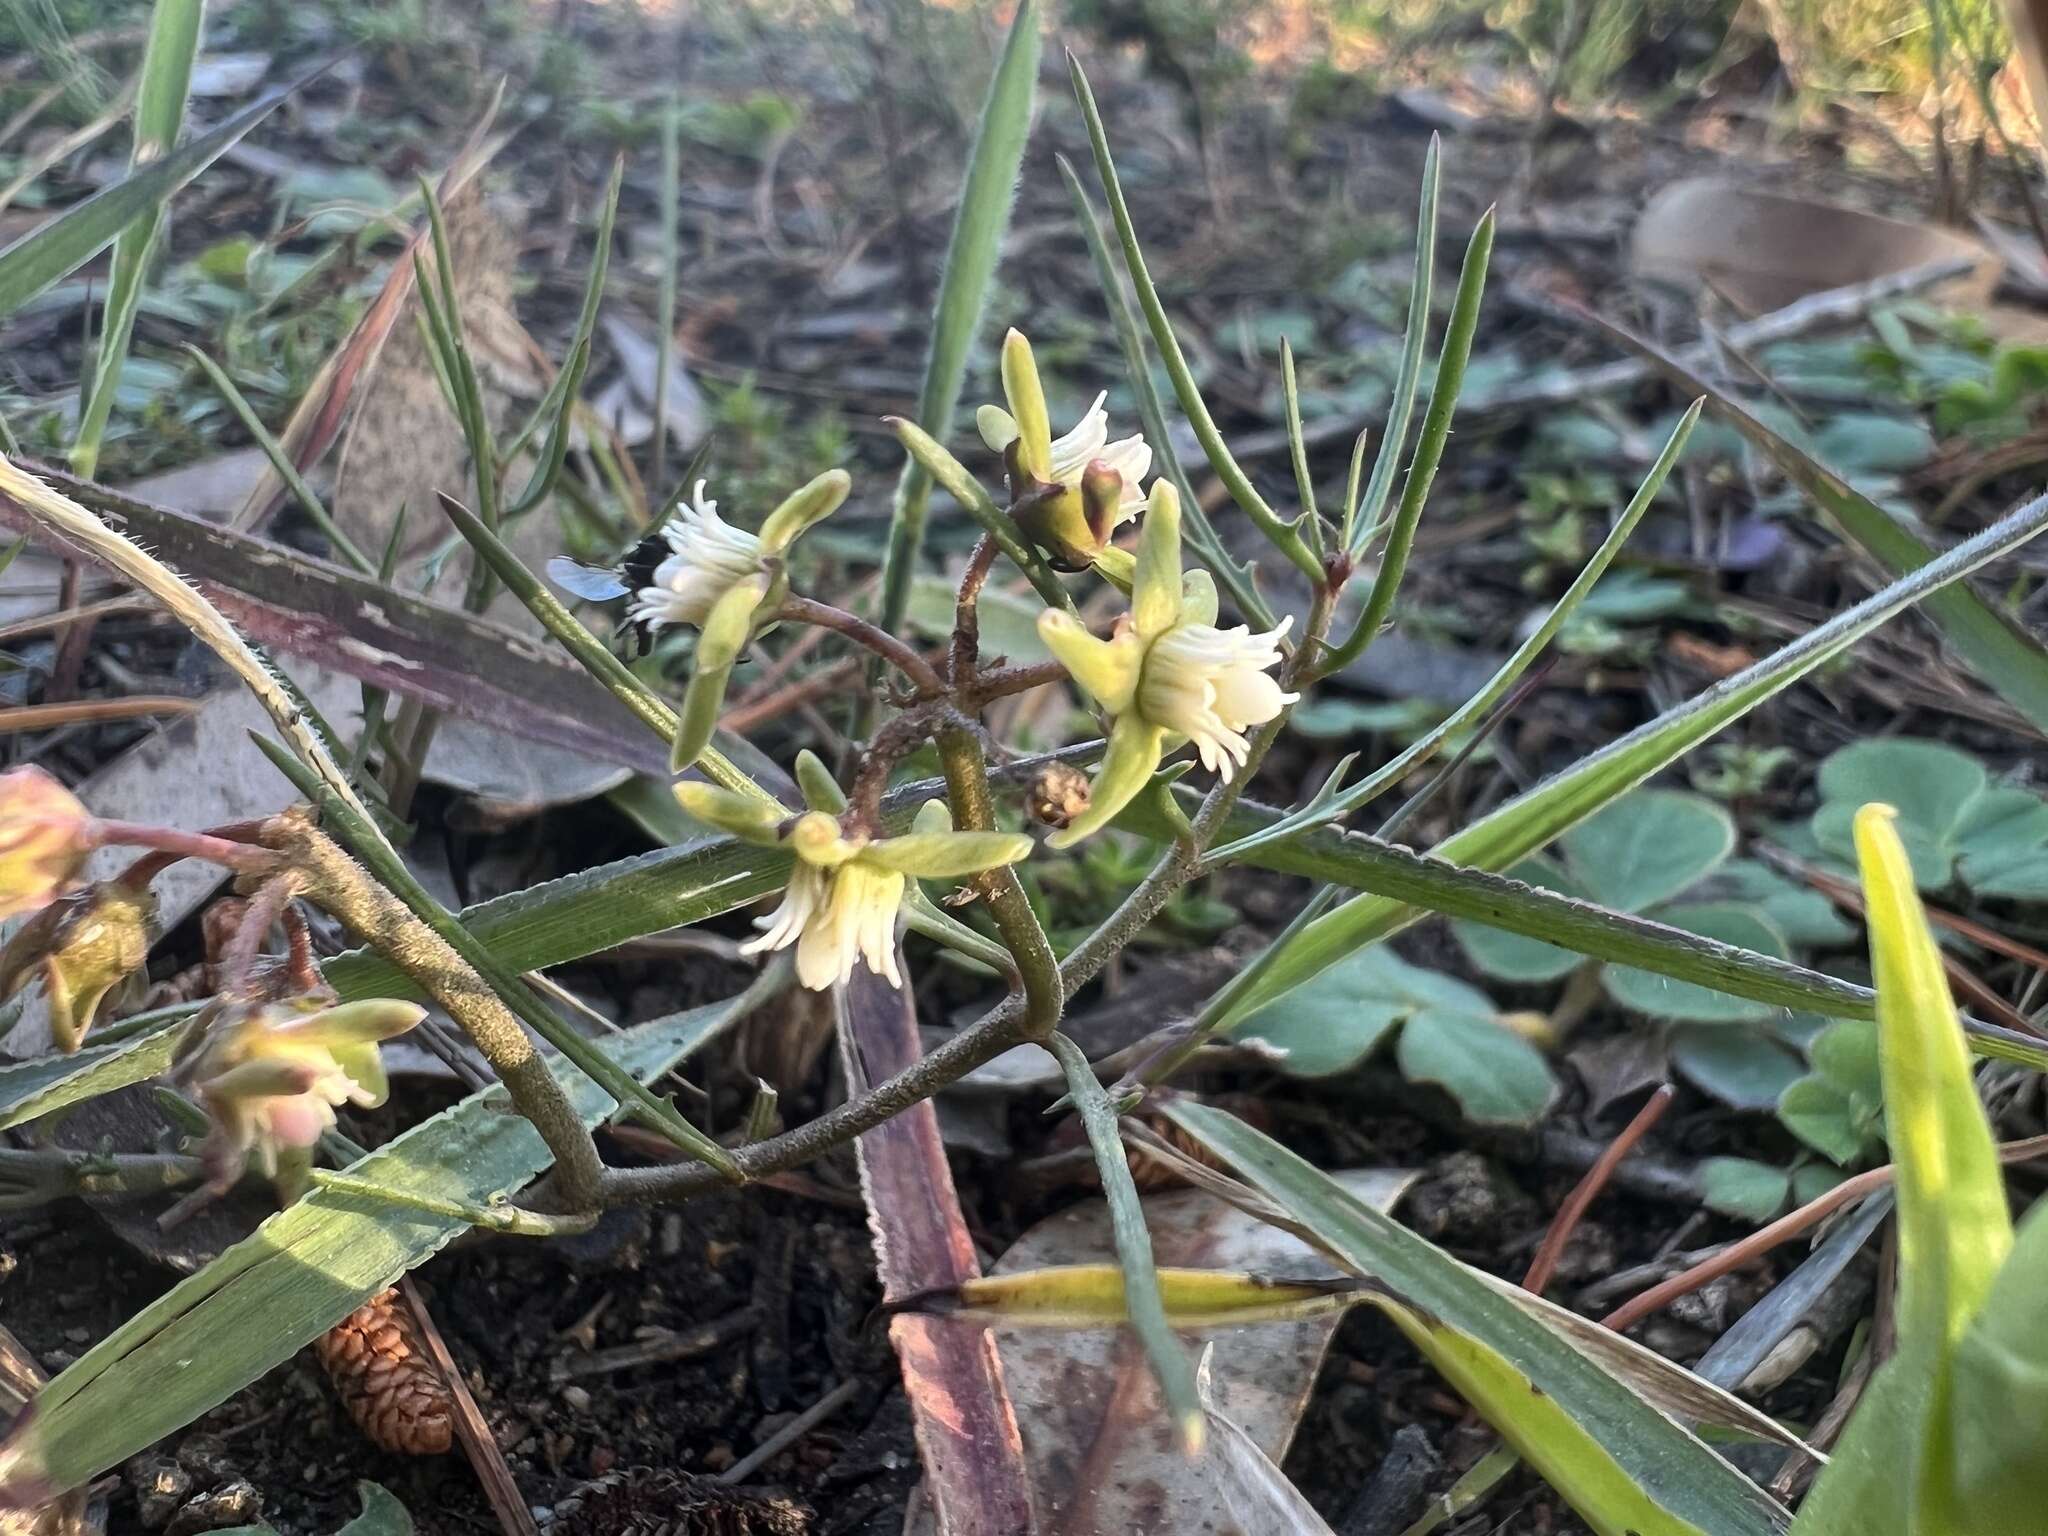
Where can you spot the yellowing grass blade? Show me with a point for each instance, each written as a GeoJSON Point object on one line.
{"type": "Point", "coordinates": [1954, 1229]}
{"type": "Point", "coordinates": [1092, 1295]}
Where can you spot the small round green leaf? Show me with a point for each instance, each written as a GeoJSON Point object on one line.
{"type": "Point", "coordinates": [1741, 1187]}
{"type": "Point", "coordinates": [1741, 1069]}
{"type": "Point", "coordinates": [1648, 847]}
{"type": "Point", "coordinates": [1497, 1077]}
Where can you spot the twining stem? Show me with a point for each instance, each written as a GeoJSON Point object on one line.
{"type": "Point", "coordinates": [904, 658]}
{"type": "Point", "coordinates": [265, 907]}
{"type": "Point", "coordinates": [965, 658]}
{"type": "Point", "coordinates": [376, 917]}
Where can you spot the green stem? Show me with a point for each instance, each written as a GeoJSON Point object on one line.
{"type": "Point", "coordinates": [974, 810]}
{"type": "Point", "coordinates": [508, 1219]}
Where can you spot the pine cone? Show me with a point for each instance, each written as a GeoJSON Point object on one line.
{"type": "Point", "coordinates": [387, 1381]}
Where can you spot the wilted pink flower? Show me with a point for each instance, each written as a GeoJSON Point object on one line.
{"type": "Point", "coordinates": [271, 1074]}
{"type": "Point", "coordinates": [45, 836]}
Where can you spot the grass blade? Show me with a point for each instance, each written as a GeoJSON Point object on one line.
{"type": "Point", "coordinates": [1144, 1306]}
{"type": "Point", "coordinates": [61, 245]}
{"type": "Point", "coordinates": [159, 114]}
{"type": "Point", "coordinates": [1532, 820]}
{"type": "Point", "coordinates": [302, 1271]}
{"type": "Point", "coordinates": [2007, 659]}
{"type": "Point", "coordinates": [1196, 529]}
{"type": "Point", "coordinates": [1621, 1464]}
{"type": "Point", "coordinates": [971, 256]}
{"type": "Point", "coordinates": [1429, 448]}
{"type": "Point", "coordinates": [1394, 873]}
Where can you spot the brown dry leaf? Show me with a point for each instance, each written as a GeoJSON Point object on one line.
{"type": "Point", "coordinates": [404, 445]}
{"type": "Point", "coordinates": [1762, 251]}
{"type": "Point", "coordinates": [967, 1432]}
{"type": "Point", "coordinates": [1103, 1456]}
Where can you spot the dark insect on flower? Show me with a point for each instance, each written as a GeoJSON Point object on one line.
{"type": "Point", "coordinates": [608, 583]}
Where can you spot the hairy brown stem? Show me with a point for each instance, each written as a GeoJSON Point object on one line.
{"type": "Point", "coordinates": [966, 654]}
{"type": "Point", "coordinates": [374, 916]}
{"type": "Point", "coordinates": [904, 658]}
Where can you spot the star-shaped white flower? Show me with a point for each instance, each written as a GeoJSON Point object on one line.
{"type": "Point", "coordinates": [1167, 673]}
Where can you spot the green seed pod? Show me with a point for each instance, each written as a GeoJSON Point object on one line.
{"type": "Point", "coordinates": [81, 947]}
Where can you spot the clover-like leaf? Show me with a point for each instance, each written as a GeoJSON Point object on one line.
{"type": "Point", "coordinates": [1450, 1034]}
{"type": "Point", "coordinates": [1741, 1068]}
{"type": "Point", "coordinates": [1648, 848]}
{"type": "Point", "coordinates": [1934, 788]}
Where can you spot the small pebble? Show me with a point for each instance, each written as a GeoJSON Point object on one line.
{"type": "Point", "coordinates": [577, 1398]}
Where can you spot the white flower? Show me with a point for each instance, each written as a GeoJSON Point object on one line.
{"type": "Point", "coordinates": [846, 891]}
{"type": "Point", "coordinates": [709, 558]}
{"type": "Point", "coordinates": [1086, 444]}
{"type": "Point", "coordinates": [1209, 684]}
{"type": "Point", "coordinates": [1165, 673]}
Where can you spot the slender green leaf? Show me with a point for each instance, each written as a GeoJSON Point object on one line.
{"type": "Point", "coordinates": [1467, 715]}
{"type": "Point", "coordinates": [1954, 1228]}
{"type": "Point", "coordinates": [303, 1271]}
{"type": "Point", "coordinates": [2009, 660]}
{"type": "Point", "coordinates": [1362, 517]}
{"type": "Point", "coordinates": [159, 113]}
{"type": "Point", "coordinates": [1408, 879]}
{"type": "Point", "coordinates": [1532, 820]}
{"type": "Point", "coordinates": [1192, 405]}
{"type": "Point", "coordinates": [1622, 1465]}
{"type": "Point", "coordinates": [1144, 1306]}
{"type": "Point", "coordinates": [1429, 447]}
{"type": "Point", "coordinates": [971, 255]}
{"type": "Point", "coordinates": [1199, 533]}
{"type": "Point", "coordinates": [62, 244]}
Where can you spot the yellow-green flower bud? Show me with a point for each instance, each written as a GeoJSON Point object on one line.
{"type": "Point", "coordinates": [80, 947]}
{"type": "Point", "coordinates": [1068, 494]}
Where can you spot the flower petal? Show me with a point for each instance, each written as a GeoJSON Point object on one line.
{"type": "Point", "coordinates": [1026, 395]}
{"type": "Point", "coordinates": [804, 508]}
{"type": "Point", "coordinates": [1155, 588]}
{"type": "Point", "coordinates": [1108, 669]}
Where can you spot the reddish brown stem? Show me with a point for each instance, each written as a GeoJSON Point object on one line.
{"type": "Point", "coordinates": [904, 658]}
{"type": "Point", "coordinates": [181, 845]}
{"type": "Point", "coordinates": [1573, 1211]}
{"type": "Point", "coordinates": [1785, 1228]}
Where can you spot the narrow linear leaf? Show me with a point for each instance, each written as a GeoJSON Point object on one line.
{"type": "Point", "coordinates": [1532, 820]}
{"type": "Point", "coordinates": [971, 255]}
{"type": "Point", "coordinates": [1328, 808]}
{"type": "Point", "coordinates": [2008, 660]}
{"type": "Point", "coordinates": [1429, 884]}
{"type": "Point", "coordinates": [61, 245]}
{"type": "Point", "coordinates": [1622, 1465]}
{"type": "Point", "coordinates": [174, 27]}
